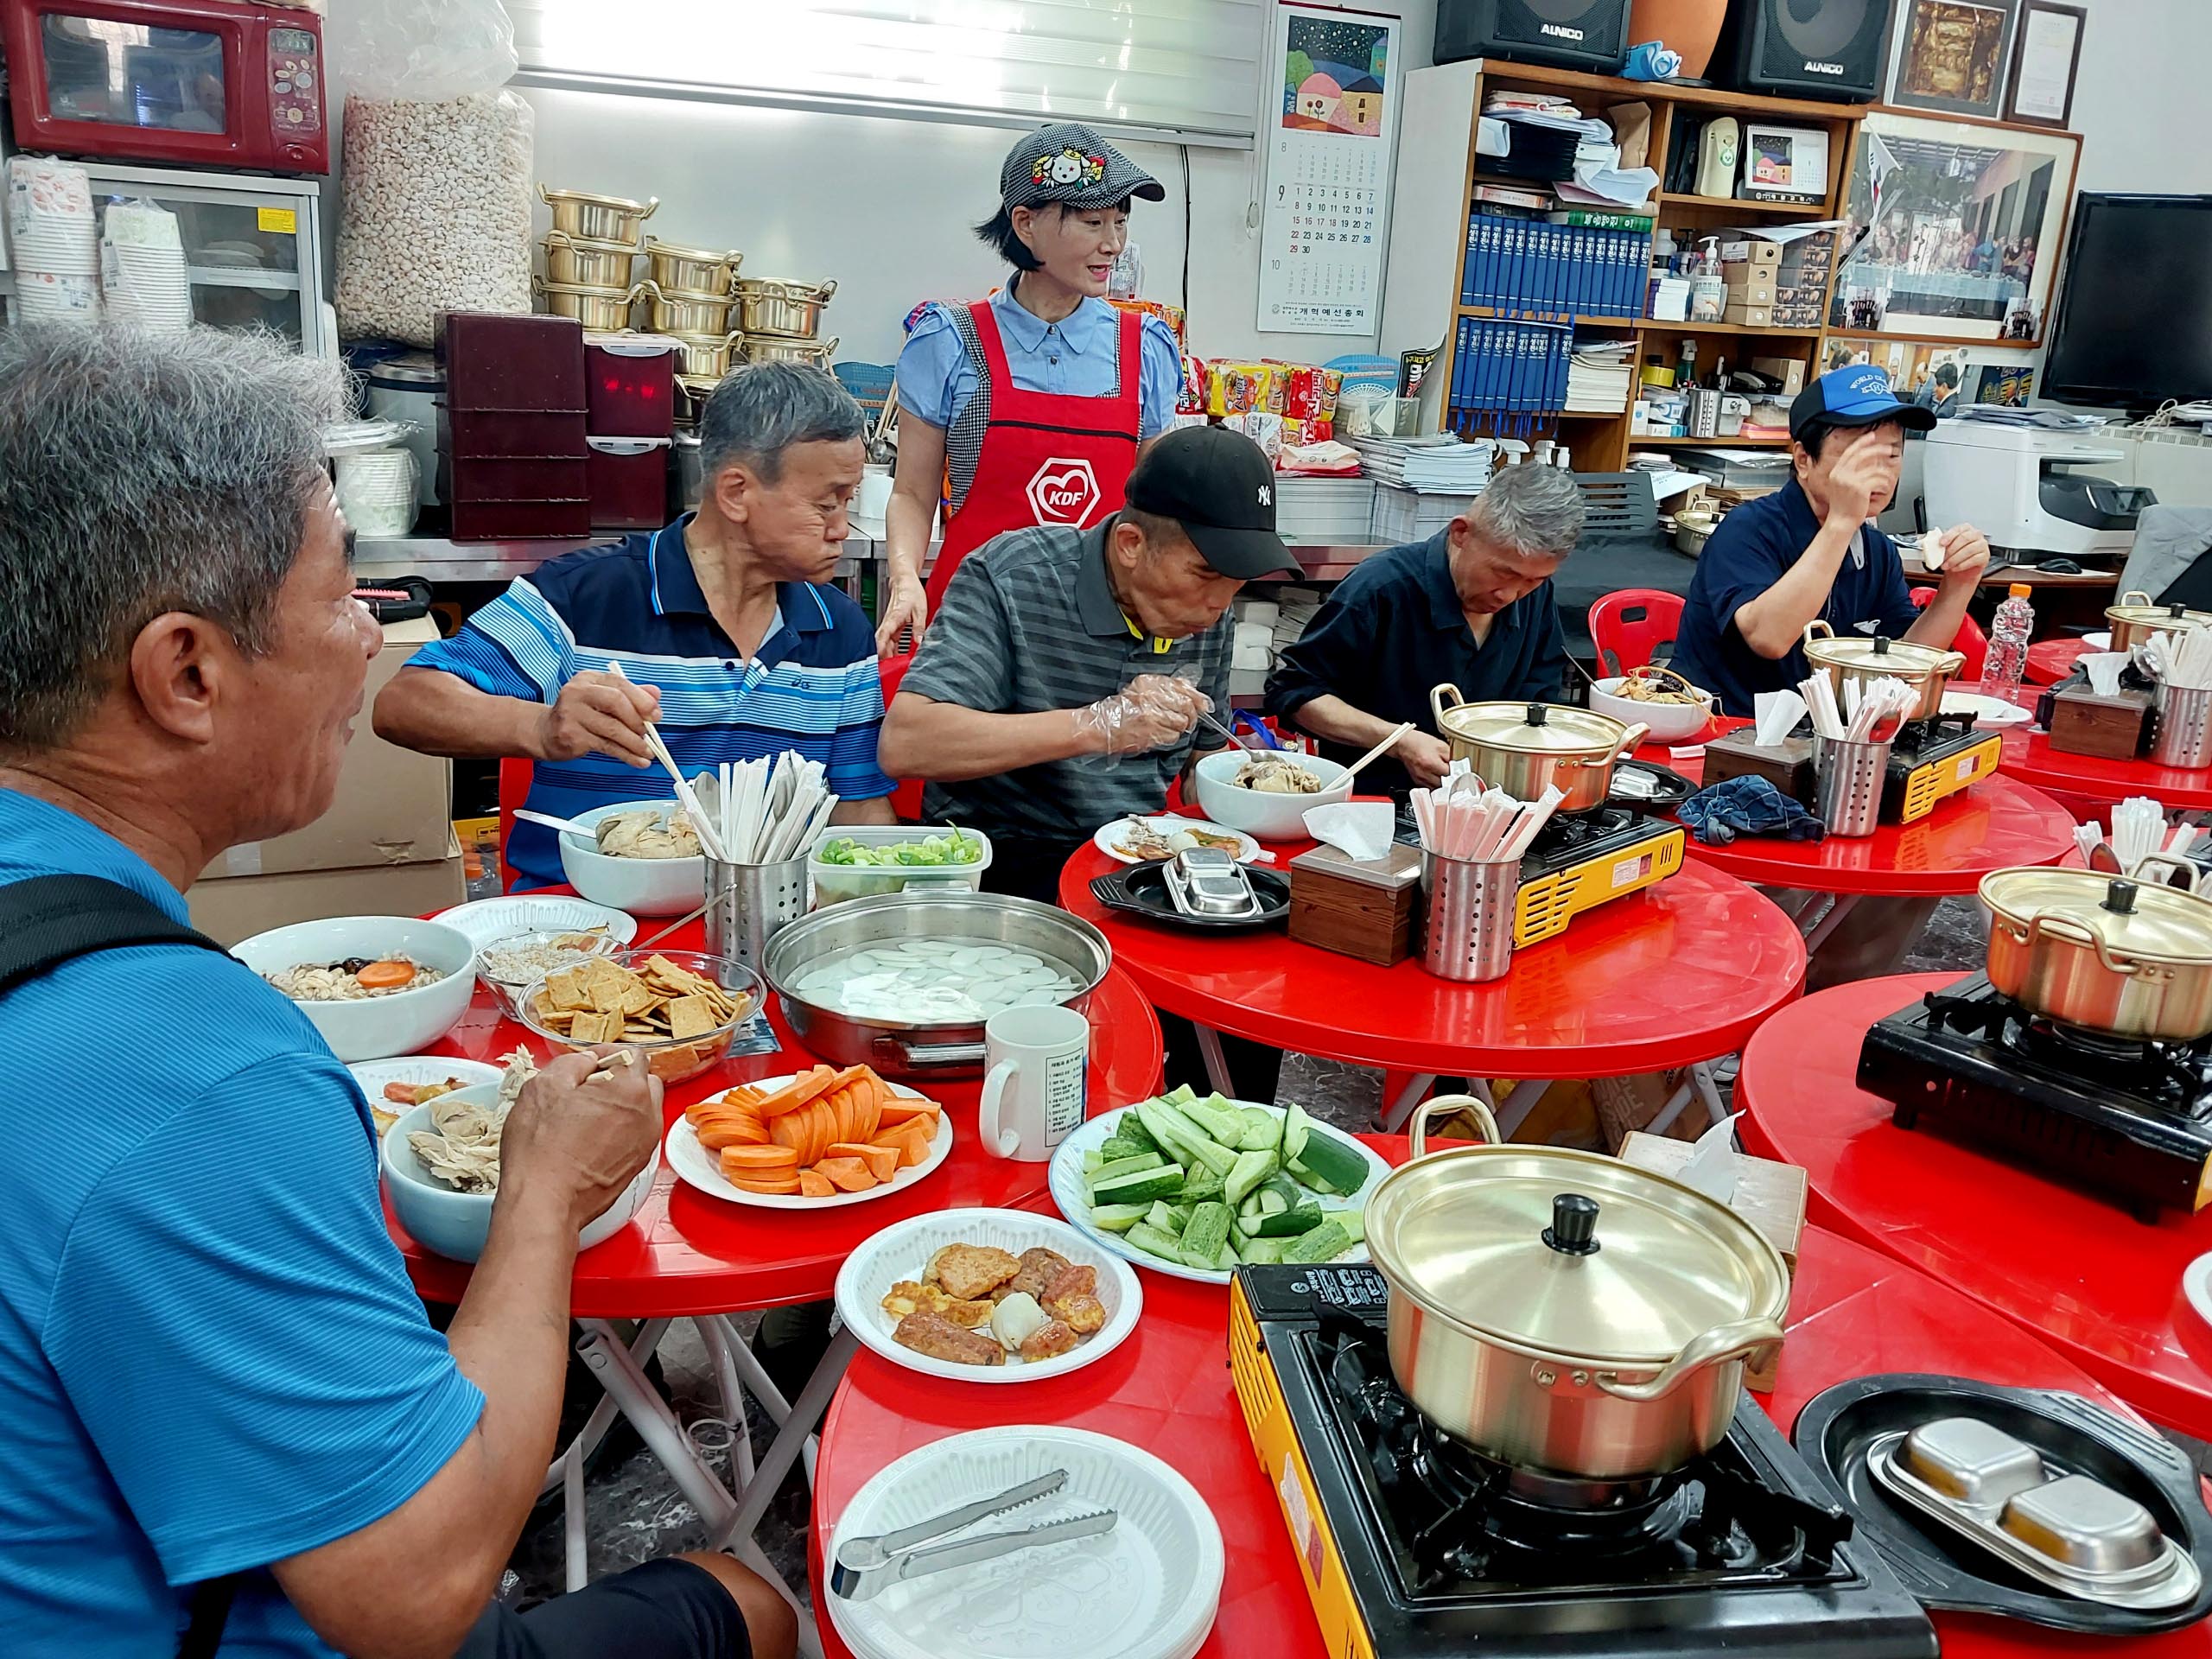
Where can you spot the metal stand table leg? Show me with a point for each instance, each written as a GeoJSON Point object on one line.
{"type": "Point", "coordinates": [1395, 1110]}
{"type": "Point", "coordinates": [1817, 935]}
{"type": "Point", "coordinates": [784, 1450]}
{"type": "Point", "coordinates": [1216, 1065]}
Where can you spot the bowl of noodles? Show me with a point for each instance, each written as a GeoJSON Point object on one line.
{"type": "Point", "coordinates": [1657, 697]}
{"type": "Point", "coordinates": [374, 986]}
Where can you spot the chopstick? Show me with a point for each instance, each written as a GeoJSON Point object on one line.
{"type": "Point", "coordinates": [700, 825]}
{"type": "Point", "coordinates": [1388, 742]}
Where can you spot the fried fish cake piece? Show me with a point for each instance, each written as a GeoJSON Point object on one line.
{"type": "Point", "coordinates": [1048, 1341]}
{"type": "Point", "coordinates": [909, 1297]}
{"type": "Point", "coordinates": [1072, 1297]}
{"type": "Point", "coordinates": [938, 1338]}
{"type": "Point", "coordinates": [1040, 1267]}
{"type": "Point", "coordinates": [969, 1271]}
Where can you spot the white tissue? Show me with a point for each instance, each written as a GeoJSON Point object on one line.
{"type": "Point", "coordinates": [1774, 714]}
{"type": "Point", "coordinates": [1362, 830]}
{"type": "Point", "coordinates": [2104, 667]}
{"type": "Point", "coordinates": [1712, 1167]}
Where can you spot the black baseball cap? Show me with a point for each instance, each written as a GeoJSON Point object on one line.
{"type": "Point", "coordinates": [1859, 396]}
{"type": "Point", "coordinates": [1220, 486]}
{"type": "Point", "coordinates": [1071, 163]}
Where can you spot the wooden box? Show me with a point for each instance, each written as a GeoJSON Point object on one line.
{"type": "Point", "coordinates": [1770, 1196]}
{"type": "Point", "coordinates": [1358, 910]}
{"type": "Point", "coordinates": [1787, 764]}
{"type": "Point", "coordinates": [2118, 727]}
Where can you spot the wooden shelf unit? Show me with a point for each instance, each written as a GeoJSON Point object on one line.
{"type": "Point", "coordinates": [1602, 442]}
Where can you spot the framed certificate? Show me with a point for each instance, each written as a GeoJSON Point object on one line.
{"type": "Point", "coordinates": [2046, 56]}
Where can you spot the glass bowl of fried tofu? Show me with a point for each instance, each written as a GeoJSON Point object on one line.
{"type": "Point", "coordinates": [678, 1010]}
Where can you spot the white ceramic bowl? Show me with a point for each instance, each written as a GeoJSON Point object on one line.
{"type": "Point", "coordinates": [1267, 817]}
{"type": "Point", "coordinates": [374, 1027]}
{"type": "Point", "coordinates": [644, 886]}
{"type": "Point", "coordinates": [456, 1223]}
{"type": "Point", "coordinates": [1670, 722]}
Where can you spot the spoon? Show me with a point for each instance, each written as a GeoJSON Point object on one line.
{"type": "Point", "coordinates": [566, 826]}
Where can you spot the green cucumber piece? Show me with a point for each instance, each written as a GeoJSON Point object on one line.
{"type": "Point", "coordinates": [1120, 1166]}
{"type": "Point", "coordinates": [1181, 1094]}
{"type": "Point", "coordinates": [1295, 1126]}
{"type": "Point", "coordinates": [1261, 1252]}
{"type": "Point", "coordinates": [1116, 1218]}
{"type": "Point", "coordinates": [1354, 1222]}
{"type": "Point", "coordinates": [1250, 1206]}
{"type": "Point", "coordinates": [1093, 1162]}
{"type": "Point", "coordinates": [1203, 1238]}
{"type": "Point", "coordinates": [1165, 1218]}
{"type": "Point", "coordinates": [1288, 1223]}
{"type": "Point", "coordinates": [1129, 1128]}
{"type": "Point", "coordinates": [1252, 1168]}
{"type": "Point", "coordinates": [1327, 1240]}
{"type": "Point", "coordinates": [1284, 1189]}
{"type": "Point", "coordinates": [1149, 1239]}
{"type": "Point", "coordinates": [1181, 1214]}
{"type": "Point", "coordinates": [1341, 1166]}
{"type": "Point", "coordinates": [1223, 1122]}
{"type": "Point", "coordinates": [1139, 1186]}
{"type": "Point", "coordinates": [1272, 1203]}
{"type": "Point", "coordinates": [1117, 1147]}
{"type": "Point", "coordinates": [1201, 1186]}
{"type": "Point", "coordinates": [1227, 1258]}
{"type": "Point", "coordinates": [1176, 1133]}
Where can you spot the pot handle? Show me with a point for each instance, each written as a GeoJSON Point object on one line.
{"type": "Point", "coordinates": [2077, 932]}
{"type": "Point", "coordinates": [1818, 629]}
{"type": "Point", "coordinates": [823, 294]}
{"type": "Point", "coordinates": [1953, 662]}
{"type": "Point", "coordinates": [1736, 1340]}
{"type": "Point", "coordinates": [920, 1055]}
{"type": "Point", "coordinates": [652, 206]}
{"type": "Point", "coordinates": [2191, 874]}
{"type": "Point", "coordinates": [1436, 701]}
{"type": "Point", "coordinates": [1631, 742]}
{"type": "Point", "coordinates": [2134, 593]}
{"type": "Point", "coordinates": [1443, 1106]}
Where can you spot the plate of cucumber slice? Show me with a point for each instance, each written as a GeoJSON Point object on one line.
{"type": "Point", "coordinates": [1169, 1182]}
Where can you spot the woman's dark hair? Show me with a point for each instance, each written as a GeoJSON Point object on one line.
{"type": "Point", "coordinates": [998, 231]}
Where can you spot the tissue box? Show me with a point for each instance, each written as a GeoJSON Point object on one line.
{"type": "Point", "coordinates": [1769, 1195]}
{"type": "Point", "coordinates": [1787, 764]}
{"type": "Point", "coordinates": [2117, 727]}
{"type": "Point", "coordinates": [1356, 910]}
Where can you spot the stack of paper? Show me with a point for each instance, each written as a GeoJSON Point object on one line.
{"type": "Point", "coordinates": [2056, 420]}
{"type": "Point", "coordinates": [1298, 606]}
{"type": "Point", "coordinates": [1438, 464]}
{"type": "Point", "coordinates": [1321, 512]}
{"type": "Point", "coordinates": [1599, 382]}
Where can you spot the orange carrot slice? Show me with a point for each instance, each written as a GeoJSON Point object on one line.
{"type": "Point", "coordinates": [764, 1159]}
{"type": "Point", "coordinates": [882, 1161]}
{"type": "Point", "coordinates": [814, 1185]}
{"type": "Point", "coordinates": [806, 1087]}
{"type": "Point", "coordinates": [913, 1140]}
{"type": "Point", "coordinates": [898, 1109]}
{"type": "Point", "coordinates": [385, 976]}
{"type": "Point", "coordinates": [786, 1187]}
{"type": "Point", "coordinates": [849, 1174]}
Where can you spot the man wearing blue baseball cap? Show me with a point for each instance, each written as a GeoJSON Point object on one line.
{"type": "Point", "coordinates": [1810, 553]}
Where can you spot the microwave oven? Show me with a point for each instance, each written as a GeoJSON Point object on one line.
{"type": "Point", "coordinates": [201, 83]}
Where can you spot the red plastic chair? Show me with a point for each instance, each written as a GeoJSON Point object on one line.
{"type": "Point", "coordinates": [1629, 628]}
{"type": "Point", "coordinates": [907, 799]}
{"type": "Point", "coordinates": [515, 776]}
{"type": "Point", "coordinates": [1970, 642]}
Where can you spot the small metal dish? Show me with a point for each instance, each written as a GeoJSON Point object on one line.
{"type": "Point", "coordinates": [1971, 1461]}
{"type": "Point", "coordinates": [2084, 1524]}
{"type": "Point", "coordinates": [1212, 893]}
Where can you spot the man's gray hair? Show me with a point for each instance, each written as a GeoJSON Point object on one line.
{"type": "Point", "coordinates": [1536, 511]}
{"type": "Point", "coordinates": [142, 473]}
{"type": "Point", "coordinates": [760, 411]}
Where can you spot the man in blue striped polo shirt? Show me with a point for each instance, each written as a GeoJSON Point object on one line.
{"type": "Point", "coordinates": [722, 625]}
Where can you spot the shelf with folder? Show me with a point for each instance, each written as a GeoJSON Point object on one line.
{"type": "Point", "coordinates": [1507, 313]}
{"type": "Point", "coordinates": [1744, 205]}
{"type": "Point", "coordinates": [1652, 326]}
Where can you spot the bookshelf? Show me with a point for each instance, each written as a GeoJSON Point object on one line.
{"type": "Point", "coordinates": [1439, 171]}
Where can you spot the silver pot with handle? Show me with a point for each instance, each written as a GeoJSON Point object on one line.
{"type": "Point", "coordinates": [2101, 953]}
{"type": "Point", "coordinates": [1928, 670]}
{"type": "Point", "coordinates": [1521, 747]}
{"type": "Point", "coordinates": [2134, 619]}
{"type": "Point", "coordinates": [1565, 1312]}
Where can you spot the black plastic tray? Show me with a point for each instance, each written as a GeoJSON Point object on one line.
{"type": "Point", "coordinates": [1673, 789]}
{"type": "Point", "coordinates": [1836, 1429]}
{"type": "Point", "coordinates": [1141, 890]}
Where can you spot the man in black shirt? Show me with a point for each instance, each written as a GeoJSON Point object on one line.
{"type": "Point", "coordinates": [1472, 607]}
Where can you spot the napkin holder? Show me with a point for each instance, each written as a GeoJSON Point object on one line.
{"type": "Point", "coordinates": [1769, 1195]}
{"type": "Point", "coordinates": [1356, 910]}
{"type": "Point", "coordinates": [1787, 764]}
{"type": "Point", "coordinates": [2117, 727]}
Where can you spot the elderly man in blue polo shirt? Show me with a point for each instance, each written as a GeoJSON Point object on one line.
{"type": "Point", "coordinates": [722, 624]}
{"type": "Point", "coordinates": [229, 1428]}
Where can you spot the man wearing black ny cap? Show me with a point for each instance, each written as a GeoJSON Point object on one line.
{"type": "Point", "coordinates": [1809, 552]}
{"type": "Point", "coordinates": [1060, 686]}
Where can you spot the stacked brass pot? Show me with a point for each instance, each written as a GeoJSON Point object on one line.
{"type": "Point", "coordinates": [590, 253]}
{"type": "Point", "coordinates": [689, 289]}
{"type": "Point", "coordinates": [782, 321]}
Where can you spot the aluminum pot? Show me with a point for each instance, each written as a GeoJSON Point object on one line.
{"type": "Point", "coordinates": [601, 310]}
{"type": "Point", "coordinates": [706, 357]}
{"type": "Point", "coordinates": [598, 218]}
{"type": "Point", "coordinates": [1566, 1314]}
{"type": "Point", "coordinates": [686, 314]}
{"type": "Point", "coordinates": [2125, 959]}
{"type": "Point", "coordinates": [791, 309]}
{"type": "Point", "coordinates": [911, 1051]}
{"type": "Point", "coordinates": [577, 263]}
{"type": "Point", "coordinates": [2135, 619]}
{"type": "Point", "coordinates": [1521, 747]}
{"type": "Point", "coordinates": [1881, 658]}
{"type": "Point", "coordinates": [697, 273]}
{"type": "Point", "coordinates": [775, 348]}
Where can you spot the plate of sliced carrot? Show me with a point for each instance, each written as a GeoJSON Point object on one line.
{"type": "Point", "coordinates": [816, 1140]}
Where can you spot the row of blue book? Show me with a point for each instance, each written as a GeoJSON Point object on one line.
{"type": "Point", "coordinates": [1524, 264]}
{"type": "Point", "coordinates": [1510, 376]}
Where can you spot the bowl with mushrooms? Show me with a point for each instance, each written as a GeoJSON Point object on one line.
{"type": "Point", "coordinates": [1267, 794]}
{"type": "Point", "coordinates": [645, 858]}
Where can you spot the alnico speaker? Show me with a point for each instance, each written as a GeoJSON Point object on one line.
{"type": "Point", "coordinates": [1805, 48]}
{"type": "Point", "coordinates": [1590, 34]}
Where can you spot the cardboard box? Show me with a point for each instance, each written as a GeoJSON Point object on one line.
{"type": "Point", "coordinates": [237, 907]}
{"type": "Point", "coordinates": [1749, 293]}
{"type": "Point", "coordinates": [1750, 316]}
{"type": "Point", "coordinates": [393, 806]}
{"type": "Point", "coordinates": [1751, 253]}
{"type": "Point", "coordinates": [1789, 370]}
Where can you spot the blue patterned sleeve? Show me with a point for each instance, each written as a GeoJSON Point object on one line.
{"type": "Point", "coordinates": [855, 773]}
{"type": "Point", "coordinates": [936, 380]}
{"type": "Point", "coordinates": [1163, 379]}
{"type": "Point", "coordinates": [516, 646]}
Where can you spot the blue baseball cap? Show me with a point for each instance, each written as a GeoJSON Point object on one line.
{"type": "Point", "coordinates": [1860, 396]}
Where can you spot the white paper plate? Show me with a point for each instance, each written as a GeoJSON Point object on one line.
{"type": "Point", "coordinates": [487, 919]}
{"type": "Point", "coordinates": [1986, 710]}
{"type": "Point", "coordinates": [1167, 825]}
{"type": "Point", "coordinates": [1148, 1589]}
{"type": "Point", "coordinates": [2100, 641]}
{"type": "Point", "coordinates": [2195, 1284]}
{"type": "Point", "coordinates": [703, 1169]}
{"type": "Point", "coordinates": [903, 1250]}
{"type": "Point", "coordinates": [1068, 1194]}
{"type": "Point", "coordinates": [373, 1075]}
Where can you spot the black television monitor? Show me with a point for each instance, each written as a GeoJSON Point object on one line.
{"type": "Point", "coordinates": [2134, 321]}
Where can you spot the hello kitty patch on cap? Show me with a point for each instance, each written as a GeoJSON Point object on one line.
{"type": "Point", "coordinates": [1071, 163]}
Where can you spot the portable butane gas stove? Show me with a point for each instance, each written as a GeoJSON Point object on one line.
{"type": "Point", "coordinates": [1578, 862]}
{"type": "Point", "coordinates": [2127, 1121]}
{"type": "Point", "coordinates": [1412, 1545]}
{"type": "Point", "coordinates": [1934, 758]}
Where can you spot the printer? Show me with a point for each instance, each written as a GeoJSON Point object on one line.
{"type": "Point", "coordinates": [2017, 485]}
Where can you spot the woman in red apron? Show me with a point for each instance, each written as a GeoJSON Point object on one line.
{"type": "Point", "coordinates": [1029, 407]}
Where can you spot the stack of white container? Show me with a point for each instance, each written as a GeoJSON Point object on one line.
{"type": "Point", "coordinates": [1252, 654]}
{"type": "Point", "coordinates": [56, 238]}
{"type": "Point", "coordinates": [142, 268]}
{"type": "Point", "coordinates": [1320, 512]}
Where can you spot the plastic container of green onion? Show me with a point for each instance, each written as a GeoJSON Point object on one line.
{"type": "Point", "coordinates": [865, 861]}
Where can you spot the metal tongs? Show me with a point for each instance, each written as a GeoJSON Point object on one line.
{"type": "Point", "coordinates": [864, 1567]}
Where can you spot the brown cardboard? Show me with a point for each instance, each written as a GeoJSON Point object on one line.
{"type": "Point", "coordinates": [1750, 252]}
{"type": "Point", "coordinates": [1750, 316]}
{"type": "Point", "coordinates": [1789, 371]}
{"type": "Point", "coordinates": [1749, 293]}
{"type": "Point", "coordinates": [238, 907]}
{"type": "Point", "coordinates": [393, 806]}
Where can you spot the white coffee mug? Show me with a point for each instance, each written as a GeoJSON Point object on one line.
{"type": "Point", "coordinates": [1036, 1064]}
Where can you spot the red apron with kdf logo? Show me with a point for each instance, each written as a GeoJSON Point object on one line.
{"type": "Point", "coordinates": [1047, 457]}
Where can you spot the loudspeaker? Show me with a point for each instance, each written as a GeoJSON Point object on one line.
{"type": "Point", "coordinates": [1805, 48]}
{"type": "Point", "coordinates": [1589, 34]}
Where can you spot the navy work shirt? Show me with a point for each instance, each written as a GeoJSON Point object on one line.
{"type": "Point", "coordinates": [1754, 545]}
{"type": "Point", "coordinates": [1394, 631]}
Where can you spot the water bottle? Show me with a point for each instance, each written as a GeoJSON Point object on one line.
{"type": "Point", "coordinates": [2008, 639]}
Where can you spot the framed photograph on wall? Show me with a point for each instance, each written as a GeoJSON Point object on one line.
{"type": "Point", "coordinates": [2046, 57]}
{"type": "Point", "coordinates": [1955, 228]}
{"type": "Point", "coordinates": [1953, 55]}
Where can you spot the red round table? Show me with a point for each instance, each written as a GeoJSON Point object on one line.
{"type": "Point", "coordinates": [2030, 757]}
{"type": "Point", "coordinates": [2050, 661]}
{"type": "Point", "coordinates": [2097, 1285]}
{"type": "Point", "coordinates": [1853, 1313]}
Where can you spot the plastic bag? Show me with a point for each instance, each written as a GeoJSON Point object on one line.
{"type": "Point", "coordinates": [428, 50]}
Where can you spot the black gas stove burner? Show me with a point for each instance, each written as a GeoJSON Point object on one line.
{"type": "Point", "coordinates": [2128, 1120]}
{"type": "Point", "coordinates": [1919, 740]}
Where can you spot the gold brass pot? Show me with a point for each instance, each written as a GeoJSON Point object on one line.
{"type": "Point", "coordinates": [1924, 667]}
{"type": "Point", "coordinates": [791, 310]}
{"type": "Point", "coordinates": [2128, 958]}
{"type": "Point", "coordinates": [598, 218]}
{"type": "Point", "coordinates": [601, 310]}
{"type": "Point", "coordinates": [706, 357]}
{"type": "Point", "coordinates": [2135, 619]}
{"type": "Point", "coordinates": [775, 348]}
{"type": "Point", "coordinates": [1522, 747]}
{"type": "Point", "coordinates": [686, 314]}
{"type": "Point", "coordinates": [695, 273]}
{"type": "Point", "coordinates": [575, 262]}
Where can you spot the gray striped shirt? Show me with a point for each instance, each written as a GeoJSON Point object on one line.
{"type": "Point", "coordinates": [1030, 623]}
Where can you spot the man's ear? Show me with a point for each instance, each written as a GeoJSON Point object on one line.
{"type": "Point", "coordinates": [176, 669]}
{"type": "Point", "coordinates": [736, 489]}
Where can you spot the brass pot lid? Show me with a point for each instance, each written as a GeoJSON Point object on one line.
{"type": "Point", "coordinates": [2144, 921]}
{"type": "Point", "coordinates": [1535, 728]}
{"type": "Point", "coordinates": [655, 247]}
{"type": "Point", "coordinates": [619, 204]}
{"type": "Point", "coordinates": [1569, 1253]}
{"type": "Point", "coordinates": [759, 288]}
{"type": "Point", "coordinates": [2158, 616]}
{"type": "Point", "coordinates": [1878, 655]}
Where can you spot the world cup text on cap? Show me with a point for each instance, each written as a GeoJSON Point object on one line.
{"type": "Point", "coordinates": [1064, 491]}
